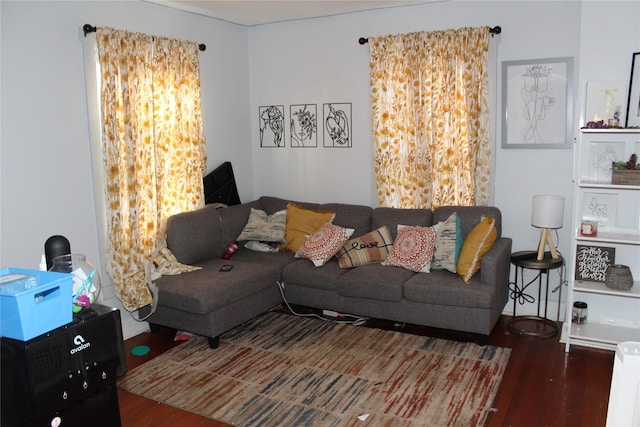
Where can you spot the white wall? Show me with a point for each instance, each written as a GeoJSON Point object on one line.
{"type": "Point", "coordinates": [320, 60]}
{"type": "Point", "coordinates": [46, 179]}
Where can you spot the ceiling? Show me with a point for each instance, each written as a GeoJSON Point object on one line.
{"type": "Point", "coordinates": [256, 12]}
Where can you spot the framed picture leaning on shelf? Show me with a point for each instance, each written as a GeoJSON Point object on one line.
{"type": "Point", "coordinates": [633, 102]}
{"type": "Point", "coordinates": [592, 262]}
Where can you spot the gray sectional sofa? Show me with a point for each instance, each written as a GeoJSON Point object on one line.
{"type": "Point", "coordinates": [209, 302]}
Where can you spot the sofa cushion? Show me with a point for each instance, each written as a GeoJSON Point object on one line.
{"type": "Point", "coordinates": [351, 216]}
{"type": "Point", "coordinates": [413, 248]}
{"type": "Point", "coordinates": [366, 249]}
{"type": "Point", "coordinates": [324, 243]}
{"type": "Point", "coordinates": [302, 223]}
{"type": "Point", "coordinates": [440, 287]}
{"type": "Point", "coordinates": [303, 273]}
{"type": "Point", "coordinates": [270, 258]}
{"type": "Point", "coordinates": [477, 243]}
{"type": "Point", "coordinates": [263, 227]}
{"type": "Point", "coordinates": [373, 281]}
{"type": "Point", "coordinates": [448, 244]}
{"type": "Point", "coordinates": [274, 204]}
{"type": "Point", "coordinates": [392, 217]}
{"type": "Point", "coordinates": [208, 289]}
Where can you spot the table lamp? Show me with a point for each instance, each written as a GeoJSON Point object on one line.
{"type": "Point", "coordinates": [546, 214]}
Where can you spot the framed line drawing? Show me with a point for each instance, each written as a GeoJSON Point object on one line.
{"type": "Point", "coordinates": [592, 262]}
{"type": "Point", "coordinates": [271, 119]}
{"type": "Point", "coordinates": [633, 100]}
{"type": "Point", "coordinates": [303, 128]}
{"type": "Point", "coordinates": [601, 208]}
{"type": "Point", "coordinates": [537, 100]}
{"type": "Point", "coordinates": [337, 125]}
{"type": "Point", "coordinates": [601, 155]}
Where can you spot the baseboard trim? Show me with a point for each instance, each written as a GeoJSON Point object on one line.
{"type": "Point", "coordinates": [131, 328]}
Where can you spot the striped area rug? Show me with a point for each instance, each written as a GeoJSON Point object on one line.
{"type": "Point", "coordinates": [281, 370]}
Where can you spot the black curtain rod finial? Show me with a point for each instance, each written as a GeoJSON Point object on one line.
{"type": "Point", "coordinates": [363, 40]}
{"type": "Point", "coordinates": [88, 29]}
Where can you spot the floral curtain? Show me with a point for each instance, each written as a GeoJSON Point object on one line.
{"type": "Point", "coordinates": [430, 117]}
{"type": "Point", "coordinates": [154, 153]}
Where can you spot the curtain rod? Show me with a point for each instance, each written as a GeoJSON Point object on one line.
{"type": "Point", "coordinates": [495, 30]}
{"type": "Point", "coordinates": [91, 29]}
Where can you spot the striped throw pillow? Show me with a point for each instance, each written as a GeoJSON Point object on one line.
{"type": "Point", "coordinates": [372, 247]}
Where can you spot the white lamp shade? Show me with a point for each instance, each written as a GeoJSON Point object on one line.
{"type": "Point", "coordinates": [547, 211]}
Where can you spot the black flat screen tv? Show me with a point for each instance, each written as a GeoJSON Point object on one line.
{"type": "Point", "coordinates": [220, 186]}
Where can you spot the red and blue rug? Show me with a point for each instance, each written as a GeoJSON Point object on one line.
{"type": "Point", "coordinates": [282, 370]}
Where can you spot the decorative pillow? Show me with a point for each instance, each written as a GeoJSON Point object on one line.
{"type": "Point", "coordinates": [263, 227]}
{"type": "Point", "coordinates": [368, 248]}
{"type": "Point", "coordinates": [324, 243]}
{"type": "Point", "coordinates": [413, 248]}
{"type": "Point", "coordinates": [448, 245]}
{"type": "Point", "coordinates": [478, 242]}
{"type": "Point", "coordinates": [302, 223]}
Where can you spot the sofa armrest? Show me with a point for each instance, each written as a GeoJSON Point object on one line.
{"type": "Point", "coordinates": [195, 236]}
{"type": "Point", "coordinates": [496, 264]}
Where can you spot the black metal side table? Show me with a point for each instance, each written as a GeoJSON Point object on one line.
{"type": "Point", "coordinates": [528, 260]}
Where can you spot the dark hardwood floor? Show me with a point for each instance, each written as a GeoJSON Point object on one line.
{"type": "Point", "coordinates": [542, 386]}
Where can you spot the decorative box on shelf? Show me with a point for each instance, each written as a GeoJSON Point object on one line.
{"type": "Point", "coordinates": [626, 173]}
{"type": "Point", "coordinates": [625, 177]}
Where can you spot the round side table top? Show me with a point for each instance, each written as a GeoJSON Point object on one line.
{"type": "Point", "coordinates": [528, 259]}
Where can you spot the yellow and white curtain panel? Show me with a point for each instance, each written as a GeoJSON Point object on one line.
{"type": "Point", "coordinates": [430, 116]}
{"type": "Point", "coordinates": [154, 152]}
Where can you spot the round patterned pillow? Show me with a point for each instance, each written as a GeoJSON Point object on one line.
{"type": "Point", "coordinates": [324, 243]}
{"type": "Point", "coordinates": [413, 248]}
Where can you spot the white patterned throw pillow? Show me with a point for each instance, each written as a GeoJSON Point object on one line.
{"type": "Point", "coordinates": [264, 228]}
{"type": "Point", "coordinates": [448, 244]}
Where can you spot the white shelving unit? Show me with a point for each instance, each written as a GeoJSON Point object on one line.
{"type": "Point", "coordinates": [614, 315]}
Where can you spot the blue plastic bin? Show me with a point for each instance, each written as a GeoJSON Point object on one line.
{"type": "Point", "coordinates": [33, 302]}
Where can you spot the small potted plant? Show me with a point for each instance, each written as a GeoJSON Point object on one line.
{"type": "Point", "coordinates": [626, 173]}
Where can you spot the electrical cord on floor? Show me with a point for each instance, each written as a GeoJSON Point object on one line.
{"type": "Point", "coordinates": [354, 320]}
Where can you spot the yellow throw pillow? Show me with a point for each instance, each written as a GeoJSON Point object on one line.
{"type": "Point", "coordinates": [302, 223]}
{"type": "Point", "coordinates": [478, 242]}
